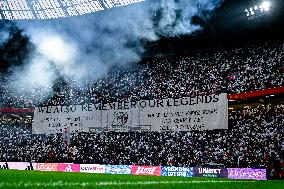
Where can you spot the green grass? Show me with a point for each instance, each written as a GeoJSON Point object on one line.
{"type": "Point", "coordinates": [36, 179]}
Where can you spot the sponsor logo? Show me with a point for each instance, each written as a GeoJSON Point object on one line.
{"type": "Point", "coordinates": [118, 169]}
{"type": "Point", "coordinates": [46, 166]}
{"type": "Point", "coordinates": [146, 170]}
{"type": "Point", "coordinates": [143, 170]}
{"type": "Point", "coordinates": [92, 168]}
{"type": "Point", "coordinates": [247, 173]}
{"type": "Point", "coordinates": [209, 170]}
{"type": "Point", "coordinates": [177, 171]}
{"type": "Point", "coordinates": [68, 167]}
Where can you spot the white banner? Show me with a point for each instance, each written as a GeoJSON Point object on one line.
{"type": "Point", "coordinates": [183, 114]}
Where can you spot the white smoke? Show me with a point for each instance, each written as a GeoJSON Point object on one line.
{"type": "Point", "coordinates": [3, 37]}
{"type": "Point", "coordinates": [85, 46]}
{"type": "Point", "coordinates": [4, 33]}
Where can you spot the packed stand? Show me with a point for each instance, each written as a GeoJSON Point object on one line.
{"type": "Point", "coordinates": [231, 70]}
{"type": "Point", "coordinates": [255, 139]}
{"type": "Point", "coordinates": [15, 133]}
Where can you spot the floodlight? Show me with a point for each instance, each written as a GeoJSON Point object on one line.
{"type": "Point", "coordinates": [247, 12]}
{"type": "Point", "coordinates": [266, 5]}
{"type": "Point", "coordinates": [251, 11]}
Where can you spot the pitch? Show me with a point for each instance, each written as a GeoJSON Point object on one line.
{"type": "Point", "coordinates": [35, 179]}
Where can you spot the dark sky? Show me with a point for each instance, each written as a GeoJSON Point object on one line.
{"type": "Point", "coordinates": [228, 26]}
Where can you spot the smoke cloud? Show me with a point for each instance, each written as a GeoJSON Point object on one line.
{"type": "Point", "coordinates": [86, 46]}
{"type": "Point", "coordinates": [4, 32]}
{"type": "Point", "coordinates": [3, 37]}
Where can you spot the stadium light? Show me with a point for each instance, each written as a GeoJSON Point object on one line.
{"type": "Point", "coordinates": [266, 5]}
{"type": "Point", "coordinates": [258, 10]}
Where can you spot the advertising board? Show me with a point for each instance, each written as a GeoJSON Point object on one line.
{"type": "Point", "coordinates": [247, 173]}
{"type": "Point", "coordinates": [177, 171]}
{"type": "Point", "coordinates": [68, 167]}
{"type": "Point", "coordinates": [118, 169]}
{"type": "Point", "coordinates": [210, 172]}
{"type": "Point", "coordinates": [46, 166]}
{"type": "Point", "coordinates": [92, 168]}
{"type": "Point", "coordinates": [146, 170]}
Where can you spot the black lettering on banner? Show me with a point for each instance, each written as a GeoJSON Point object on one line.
{"type": "Point", "coordinates": [126, 105]}
{"type": "Point", "coordinates": [56, 110]}
{"type": "Point", "coordinates": [86, 107]}
{"type": "Point", "coordinates": [48, 110]}
{"type": "Point", "coordinates": [184, 102]}
{"type": "Point", "coordinates": [54, 125]}
{"type": "Point", "coordinates": [199, 119]}
{"type": "Point", "coordinates": [133, 104]}
{"type": "Point", "coordinates": [215, 98]}
{"type": "Point", "coordinates": [89, 108]}
{"type": "Point", "coordinates": [98, 106]}
{"type": "Point", "coordinates": [41, 109]}
{"type": "Point", "coordinates": [141, 105]}
{"type": "Point", "coordinates": [168, 102]}
{"type": "Point", "coordinates": [154, 115]}
{"type": "Point", "coordinates": [176, 102]}
{"type": "Point", "coordinates": [112, 105]}
{"type": "Point", "coordinates": [200, 99]}
{"type": "Point", "coordinates": [151, 115]}
{"type": "Point", "coordinates": [104, 107]}
{"type": "Point", "coordinates": [77, 119]}
{"type": "Point", "coordinates": [208, 99]}
{"type": "Point", "coordinates": [119, 106]}
{"type": "Point", "coordinates": [192, 101]}
{"type": "Point", "coordinates": [205, 112]}
{"type": "Point", "coordinates": [178, 114]}
{"type": "Point", "coordinates": [67, 110]}
{"type": "Point", "coordinates": [166, 121]}
{"type": "Point", "coordinates": [164, 128]}
{"type": "Point", "coordinates": [152, 105]}
{"type": "Point", "coordinates": [181, 120]}
{"type": "Point", "coordinates": [209, 112]}
{"type": "Point", "coordinates": [73, 108]}
{"type": "Point", "coordinates": [194, 112]}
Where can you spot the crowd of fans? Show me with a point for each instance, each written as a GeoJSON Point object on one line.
{"type": "Point", "coordinates": [230, 70]}
{"type": "Point", "coordinates": [255, 137]}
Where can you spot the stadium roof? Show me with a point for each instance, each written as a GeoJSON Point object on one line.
{"type": "Point", "coordinates": [227, 25]}
{"type": "Point", "coordinates": [54, 9]}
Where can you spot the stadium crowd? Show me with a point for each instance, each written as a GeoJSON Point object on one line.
{"type": "Point", "coordinates": [231, 70]}
{"type": "Point", "coordinates": [255, 139]}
